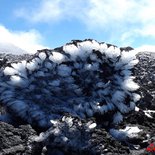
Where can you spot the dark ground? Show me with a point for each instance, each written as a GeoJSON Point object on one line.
{"type": "Point", "coordinates": [19, 140]}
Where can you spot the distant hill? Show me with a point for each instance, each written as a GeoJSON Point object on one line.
{"type": "Point", "coordinates": [11, 49]}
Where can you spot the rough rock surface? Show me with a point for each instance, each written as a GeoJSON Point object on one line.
{"type": "Point", "coordinates": [80, 137]}
{"type": "Point", "coordinates": [17, 140]}
{"type": "Point", "coordinates": [71, 135]}
{"type": "Point", "coordinates": [145, 76]}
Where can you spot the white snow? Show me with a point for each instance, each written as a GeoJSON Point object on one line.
{"type": "Point", "coordinates": [54, 122]}
{"type": "Point", "coordinates": [10, 71]}
{"type": "Point", "coordinates": [148, 113]}
{"type": "Point", "coordinates": [20, 67]}
{"type": "Point", "coordinates": [72, 50]}
{"type": "Point", "coordinates": [92, 126]}
{"type": "Point", "coordinates": [123, 134]}
{"type": "Point", "coordinates": [103, 47]}
{"type": "Point", "coordinates": [32, 65]}
{"type": "Point", "coordinates": [131, 130]}
{"type": "Point", "coordinates": [112, 52]}
{"type": "Point", "coordinates": [42, 56]}
{"type": "Point", "coordinates": [129, 84]}
{"type": "Point", "coordinates": [136, 97]}
{"type": "Point", "coordinates": [136, 108]}
{"type": "Point", "coordinates": [57, 57]}
{"type": "Point", "coordinates": [15, 79]}
{"type": "Point", "coordinates": [88, 46]}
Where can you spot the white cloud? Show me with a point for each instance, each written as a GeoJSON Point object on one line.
{"type": "Point", "coordinates": [114, 12]}
{"type": "Point", "coordinates": [122, 20]}
{"type": "Point", "coordinates": [28, 41]}
{"type": "Point", "coordinates": [93, 12]}
{"type": "Point", "coordinates": [49, 11]}
{"type": "Point", "coordinates": [148, 30]}
{"type": "Point", "coordinates": [46, 11]}
{"type": "Point", "coordinates": [121, 12]}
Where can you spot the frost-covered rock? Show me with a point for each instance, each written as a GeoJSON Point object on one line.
{"type": "Point", "coordinates": [82, 78]}
{"type": "Point", "coordinates": [94, 127]}
{"type": "Point", "coordinates": [75, 136]}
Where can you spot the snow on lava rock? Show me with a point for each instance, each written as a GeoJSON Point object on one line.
{"type": "Point", "coordinates": [82, 78]}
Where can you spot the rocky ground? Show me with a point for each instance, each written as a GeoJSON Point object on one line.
{"type": "Point", "coordinates": [70, 135]}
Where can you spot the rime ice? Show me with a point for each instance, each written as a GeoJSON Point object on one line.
{"type": "Point", "coordinates": [82, 78]}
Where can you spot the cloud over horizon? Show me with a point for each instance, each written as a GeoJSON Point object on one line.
{"type": "Point", "coordinates": [119, 22]}
{"type": "Point", "coordinates": [123, 19]}
{"type": "Point", "coordinates": [29, 41]}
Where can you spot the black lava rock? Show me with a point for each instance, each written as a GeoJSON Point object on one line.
{"type": "Point", "coordinates": [71, 135]}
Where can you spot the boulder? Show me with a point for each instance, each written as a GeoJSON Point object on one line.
{"type": "Point", "coordinates": [73, 135]}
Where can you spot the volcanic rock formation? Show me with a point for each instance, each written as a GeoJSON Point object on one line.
{"type": "Point", "coordinates": [95, 98]}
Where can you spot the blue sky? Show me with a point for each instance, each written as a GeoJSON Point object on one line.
{"type": "Point", "coordinates": [35, 24]}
